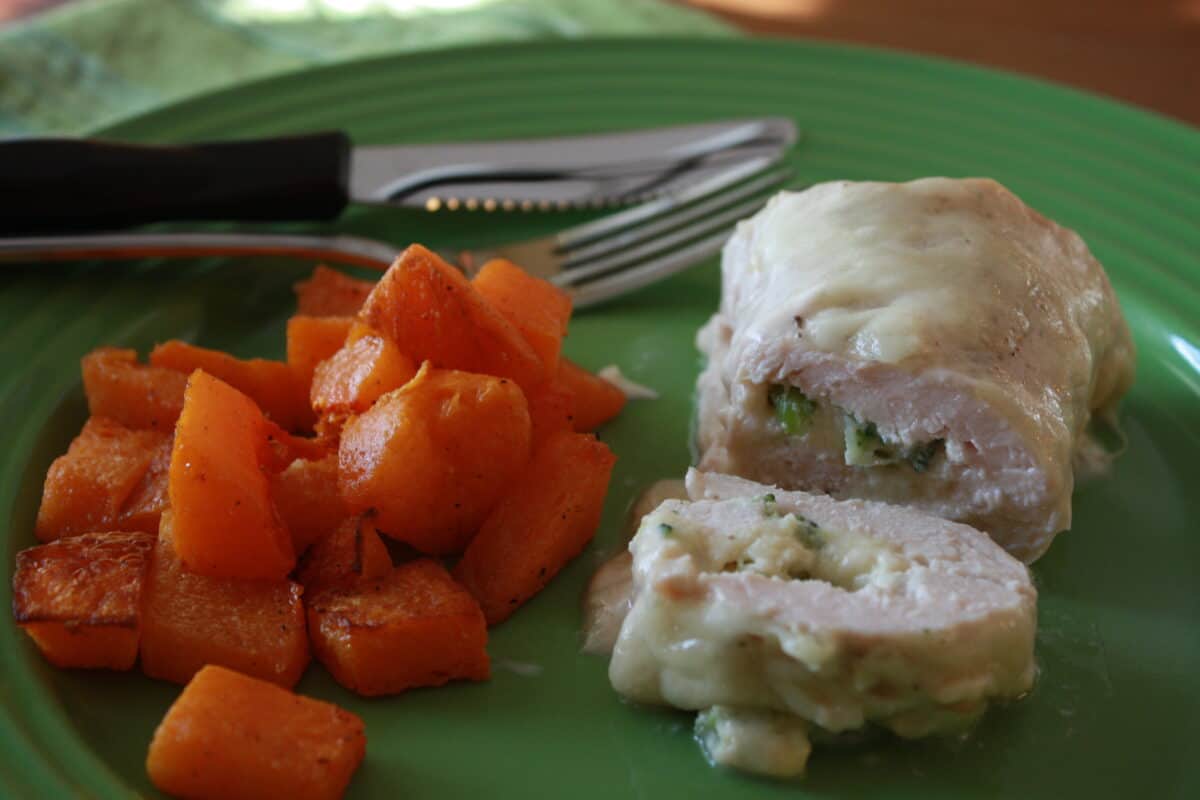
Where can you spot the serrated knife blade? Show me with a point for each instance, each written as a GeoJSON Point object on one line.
{"type": "Point", "coordinates": [561, 172]}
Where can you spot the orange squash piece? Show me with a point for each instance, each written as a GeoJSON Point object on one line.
{"type": "Point", "coordinates": [232, 737]}
{"type": "Point", "coordinates": [433, 313]}
{"type": "Point", "coordinates": [144, 506]}
{"type": "Point", "coordinates": [594, 400]}
{"type": "Point", "coordinates": [329, 293]}
{"type": "Point", "coordinates": [328, 427]}
{"type": "Point", "coordinates": [358, 330]}
{"type": "Point", "coordinates": [545, 521]}
{"type": "Point", "coordinates": [353, 553]}
{"type": "Point", "coordinates": [359, 374]}
{"type": "Point", "coordinates": [311, 340]}
{"type": "Point", "coordinates": [551, 409]}
{"type": "Point", "coordinates": [85, 646]}
{"type": "Point", "coordinates": [274, 386]}
{"type": "Point", "coordinates": [432, 458]}
{"type": "Point", "coordinates": [328, 430]}
{"type": "Point", "coordinates": [86, 488]}
{"type": "Point", "coordinates": [414, 627]}
{"type": "Point", "coordinates": [135, 395]}
{"type": "Point", "coordinates": [308, 501]}
{"type": "Point", "coordinates": [284, 448]}
{"type": "Point", "coordinates": [189, 620]}
{"type": "Point", "coordinates": [80, 598]}
{"type": "Point", "coordinates": [225, 523]}
{"type": "Point", "coordinates": [537, 308]}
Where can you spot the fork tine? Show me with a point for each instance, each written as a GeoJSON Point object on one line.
{"type": "Point", "coordinates": [632, 270]}
{"type": "Point", "coordinates": [653, 231]}
{"type": "Point", "coordinates": [681, 237]}
{"type": "Point", "coordinates": [656, 251]}
{"type": "Point", "coordinates": [636, 277]}
{"type": "Point", "coordinates": [582, 234]}
{"type": "Point", "coordinates": [700, 240]}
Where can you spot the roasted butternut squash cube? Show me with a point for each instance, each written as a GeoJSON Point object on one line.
{"type": "Point", "coordinates": [358, 330]}
{"type": "Point", "coordinates": [144, 506]}
{"type": "Point", "coordinates": [414, 627]}
{"type": "Point", "coordinates": [284, 448]}
{"type": "Point", "coordinates": [329, 430]}
{"type": "Point", "coordinates": [537, 308]}
{"type": "Point", "coordinates": [308, 501]}
{"type": "Point", "coordinates": [86, 488]}
{"type": "Point", "coordinates": [66, 646]}
{"type": "Point", "coordinates": [551, 411]}
{"type": "Point", "coordinates": [189, 620]}
{"type": "Point", "coordinates": [352, 553]}
{"type": "Point", "coordinates": [546, 520]}
{"type": "Point", "coordinates": [224, 522]}
{"type": "Point", "coordinates": [311, 340]}
{"type": "Point", "coordinates": [135, 395]}
{"type": "Point", "coordinates": [433, 313]}
{"type": "Point", "coordinates": [429, 460]}
{"type": "Point", "coordinates": [357, 375]}
{"type": "Point", "coordinates": [80, 598]}
{"type": "Point", "coordinates": [275, 387]}
{"type": "Point", "coordinates": [329, 293]}
{"type": "Point", "coordinates": [233, 737]}
{"type": "Point", "coordinates": [594, 400]}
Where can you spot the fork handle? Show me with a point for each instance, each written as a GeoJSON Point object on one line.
{"type": "Point", "coordinates": [71, 185]}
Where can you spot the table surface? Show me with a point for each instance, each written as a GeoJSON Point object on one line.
{"type": "Point", "coordinates": [1145, 52]}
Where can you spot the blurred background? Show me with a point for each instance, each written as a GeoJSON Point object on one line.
{"type": "Point", "coordinates": [67, 64]}
{"type": "Point", "coordinates": [1145, 52]}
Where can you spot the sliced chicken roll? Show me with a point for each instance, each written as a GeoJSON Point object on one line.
{"type": "Point", "coordinates": [935, 343]}
{"type": "Point", "coordinates": [837, 612]}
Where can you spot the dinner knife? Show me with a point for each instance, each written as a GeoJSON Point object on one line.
{"type": "Point", "coordinates": [65, 185]}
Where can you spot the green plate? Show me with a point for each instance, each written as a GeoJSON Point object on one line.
{"type": "Point", "coordinates": [1116, 711]}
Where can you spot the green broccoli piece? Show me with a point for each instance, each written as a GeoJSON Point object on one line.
{"type": "Point", "coordinates": [920, 455]}
{"type": "Point", "coordinates": [792, 407]}
{"type": "Point", "coordinates": [808, 532]}
{"type": "Point", "coordinates": [866, 447]}
{"type": "Point", "coordinates": [768, 504]}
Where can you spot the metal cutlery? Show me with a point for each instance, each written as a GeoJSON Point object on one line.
{"type": "Point", "coordinates": [595, 261]}
{"type": "Point", "coordinates": [72, 185]}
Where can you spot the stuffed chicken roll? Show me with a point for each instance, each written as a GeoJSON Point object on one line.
{"type": "Point", "coordinates": [782, 612]}
{"type": "Point", "coordinates": [937, 344]}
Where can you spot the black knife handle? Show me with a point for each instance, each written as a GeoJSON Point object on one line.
{"type": "Point", "coordinates": [71, 185]}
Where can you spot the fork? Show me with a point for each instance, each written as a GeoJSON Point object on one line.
{"type": "Point", "coordinates": [594, 262]}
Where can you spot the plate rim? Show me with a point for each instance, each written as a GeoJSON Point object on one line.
{"type": "Point", "coordinates": [898, 55]}
{"type": "Point", "coordinates": [79, 768]}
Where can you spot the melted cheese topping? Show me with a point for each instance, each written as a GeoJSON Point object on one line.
{"type": "Point", "coordinates": [939, 309]}
{"type": "Point", "coordinates": [807, 607]}
{"type": "Point", "coordinates": [609, 594]}
{"type": "Point", "coordinates": [761, 742]}
{"type": "Point", "coordinates": [872, 271]}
